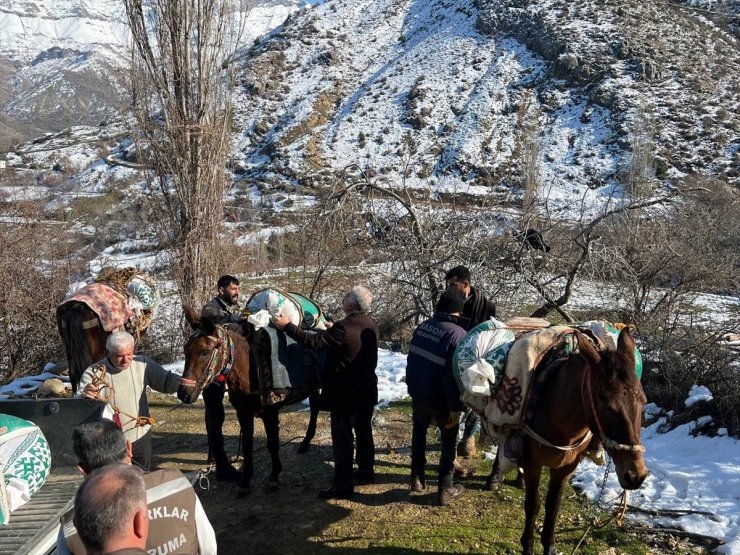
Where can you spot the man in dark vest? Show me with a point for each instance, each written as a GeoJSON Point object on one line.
{"type": "Point", "coordinates": [222, 309]}
{"type": "Point", "coordinates": [477, 309]}
{"type": "Point", "coordinates": [350, 387]}
{"type": "Point", "coordinates": [435, 397]}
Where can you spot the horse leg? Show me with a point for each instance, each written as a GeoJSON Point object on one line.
{"type": "Point", "coordinates": [313, 402]}
{"type": "Point", "coordinates": [272, 430]}
{"type": "Point", "coordinates": [558, 477]}
{"type": "Point", "coordinates": [532, 471]}
{"type": "Point", "coordinates": [500, 468]}
{"type": "Point", "coordinates": [246, 423]}
{"type": "Point", "coordinates": [494, 480]}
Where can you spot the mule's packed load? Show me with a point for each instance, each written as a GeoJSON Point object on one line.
{"type": "Point", "coordinates": [122, 298]}
{"type": "Point", "coordinates": [300, 310]}
{"type": "Point", "coordinates": [502, 368]}
{"type": "Point", "coordinates": [26, 462]}
{"type": "Point", "coordinates": [284, 366]}
{"type": "Point", "coordinates": [479, 359]}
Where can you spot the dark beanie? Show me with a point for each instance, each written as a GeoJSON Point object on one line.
{"type": "Point", "coordinates": [452, 300]}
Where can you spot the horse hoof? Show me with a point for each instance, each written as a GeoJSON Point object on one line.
{"type": "Point", "coordinates": [303, 447]}
{"type": "Point", "coordinates": [492, 485]}
{"type": "Point", "coordinates": [519, 484]}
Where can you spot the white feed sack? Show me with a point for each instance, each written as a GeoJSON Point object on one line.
{"type": "Point", "coordinates": [479, 361]}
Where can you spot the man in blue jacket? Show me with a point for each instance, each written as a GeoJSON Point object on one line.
{"type": "Point", "coordinates": [435, 396]}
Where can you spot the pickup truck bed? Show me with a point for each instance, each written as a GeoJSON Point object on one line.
{"type": "Point", "coordinates": [33, 528]}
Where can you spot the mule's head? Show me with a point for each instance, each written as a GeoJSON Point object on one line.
{"type": "Point", "coordinates": [200, 350]}
{"type": "Point", "coordinates": [615, 402]}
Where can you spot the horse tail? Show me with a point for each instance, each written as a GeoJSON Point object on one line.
{"type": "Point", "coordinates": [69, 323]}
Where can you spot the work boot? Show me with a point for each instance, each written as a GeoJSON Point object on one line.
{"type": "Point", "coordinates": [227, 473]}
{"type": "Point", "coordinates": [445, 495]}
{"type": "Point", "coordinates": [466, 448]}
{"type": "Point", "coordinates": [418, 483]}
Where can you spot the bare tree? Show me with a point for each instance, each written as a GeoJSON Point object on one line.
{"type": "Point", "coordinates": [182, 80]}
{"type": "Point", "coordinates": [34, 265]}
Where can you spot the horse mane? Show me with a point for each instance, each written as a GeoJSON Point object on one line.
{"type": "Point", "coordinates": [69, 323]}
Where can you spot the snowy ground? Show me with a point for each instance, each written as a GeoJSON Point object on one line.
{"type": "Point", "coordinates": [686, 472]}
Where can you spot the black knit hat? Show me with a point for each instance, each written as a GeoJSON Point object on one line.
{"type": "Point", "coordinates": [451, 301]}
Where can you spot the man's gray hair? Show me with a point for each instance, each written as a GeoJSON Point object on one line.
{"type": "Point", "coordinates": [106, 504]}
{"type": "Point", "coordinates": [118, 342]}
{"type": "Point", "coordinates": [361, 297]}
{"type": "Point", "coordinates": [98, 444]}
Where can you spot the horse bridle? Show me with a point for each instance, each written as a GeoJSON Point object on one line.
{"type": "Point", "coordinates": [220, 361]}
{"type": "Point", "coordinates": [608, 443]}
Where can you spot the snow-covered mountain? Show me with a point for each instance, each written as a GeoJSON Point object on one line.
{"type": "Point", "coordinates": [468, 82]}
{"type": "Point", "coordinates": [63, 62]}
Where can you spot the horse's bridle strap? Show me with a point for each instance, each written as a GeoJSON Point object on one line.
{"type": "Point", "coordinates": [538, 438]}
{"type": "Point", "coordinates": [609, 444]}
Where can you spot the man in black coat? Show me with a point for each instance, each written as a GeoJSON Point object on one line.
{"type": "Point", "coordinates": [222, 309]}
{"type": "Point", "coordinates": [435, 397]}
{"type": "Point", "coordinates": [477, 309]}
{"type": "Point", "coordinates": [349, 389]}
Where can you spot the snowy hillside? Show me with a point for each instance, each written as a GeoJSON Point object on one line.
{"type": "Point", "coordinates": [63, 62]}
{"type": "Point", "coordinates": [469, 82]}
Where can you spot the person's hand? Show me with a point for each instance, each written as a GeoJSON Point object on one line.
{"type": "Point", "coordinates": [328, 325]}
{"type": "Point", "coordinates": [90, 391]}
{"type": "Point", "coordinates": [453, 420]}
{"type": "Point", "coordinates": [280, 322]}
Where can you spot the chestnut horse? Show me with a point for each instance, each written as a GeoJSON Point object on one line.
{"type": "Point", "coordinates": [212, 351]}
{"type": "Point", "coordinates": [592, 395]}
{"type": "Point", "coordinates": [83, 337]}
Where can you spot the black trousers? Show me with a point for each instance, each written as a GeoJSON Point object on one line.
{"type": "Point", "coordinates": [342, 445]}
{"type": "Point", "coordinates": [364, 438]}
{"type": "Point", "coordinates": [142, 451]}
{"type": "Point", "coordinates": [422, 418]}
{"type": "Point", "coordinates": [213, 396]}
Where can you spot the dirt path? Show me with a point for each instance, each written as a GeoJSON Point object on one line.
{"type": "Point", "coordinates": [382, 518]}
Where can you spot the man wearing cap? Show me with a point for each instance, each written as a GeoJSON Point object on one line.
{"type": "Point", "coordinates": [435, 397]}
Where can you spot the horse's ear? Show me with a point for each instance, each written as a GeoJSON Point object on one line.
{"type": "Point", "coordinates": [192, 316]}
{"type": "Point", "coordinates": [625, 344]}
{"type": "Point", "coordinates": [207, 325]}
{"type": "Point", "coordinates": [587, 350]}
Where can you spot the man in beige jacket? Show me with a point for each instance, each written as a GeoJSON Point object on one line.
{"type": "Point", "coordinates": [121, 379]}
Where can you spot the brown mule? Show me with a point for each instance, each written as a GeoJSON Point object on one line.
{"type": "Point", "coordinates": [213, 351]}
{"type": "Point", "coordinates": [592, 394]}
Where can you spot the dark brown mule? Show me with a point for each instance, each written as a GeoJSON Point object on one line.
{"type": "Point", "coordinates": [83, 337]}
{"type": "Point", "coordinates": [208, 351]}
{"type": "Point", "coordinates": [592, 393]}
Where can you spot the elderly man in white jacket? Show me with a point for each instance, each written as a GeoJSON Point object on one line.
{"type": "Point", "coordinates": [121, 379]}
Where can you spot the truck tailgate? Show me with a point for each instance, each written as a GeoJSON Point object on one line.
{"type": "Point", "coordinates": [33, 528]}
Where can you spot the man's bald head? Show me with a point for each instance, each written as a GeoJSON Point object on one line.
{"type": "Point", "coordinates": [110, 509]}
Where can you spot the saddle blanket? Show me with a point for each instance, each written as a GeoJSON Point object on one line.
{"type": "Point", "coordinates": [505, 410]}
{"type": "Point", "coordinates": [110, 306]}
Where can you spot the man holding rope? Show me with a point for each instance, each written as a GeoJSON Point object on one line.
{"type": "Point", "coordinates": [121, 380]}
